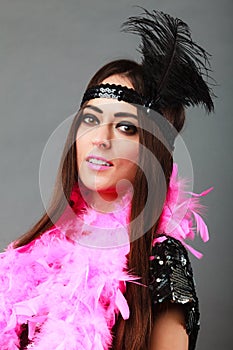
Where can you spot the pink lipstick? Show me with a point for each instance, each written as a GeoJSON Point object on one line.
{"type": "Point", "coordinates": [98, 163]}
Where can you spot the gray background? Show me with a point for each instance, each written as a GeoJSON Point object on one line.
{"type": "Point", "coordinates": [48, 51]}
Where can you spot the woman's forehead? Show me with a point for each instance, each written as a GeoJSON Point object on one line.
{"type": "Point", "coordinates": [118, 80]}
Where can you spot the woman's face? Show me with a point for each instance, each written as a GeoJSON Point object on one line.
{"type": "Point", "coordinates": [107, 143]}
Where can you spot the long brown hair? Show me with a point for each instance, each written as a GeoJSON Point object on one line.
{"type": "Point", "coordinates": [134, 333]}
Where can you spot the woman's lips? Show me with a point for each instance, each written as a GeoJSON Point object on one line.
{"type": "Point", "coordinates": [98, 163]}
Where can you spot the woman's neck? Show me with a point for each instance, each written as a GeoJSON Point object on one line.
{"type": "Point", "coordinates": [106, 201]}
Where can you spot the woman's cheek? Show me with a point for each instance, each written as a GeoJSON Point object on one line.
{"type": "Point", "coordinates": [128, 150]}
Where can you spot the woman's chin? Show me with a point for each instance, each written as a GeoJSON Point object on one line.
{"type": "Point", "coordinates": [101, 189]}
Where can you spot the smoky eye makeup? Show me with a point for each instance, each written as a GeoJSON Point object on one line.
{"type": "Point", "coordinates": [124, 121]}
{"type": "Point", "coordinates": [127, 127]}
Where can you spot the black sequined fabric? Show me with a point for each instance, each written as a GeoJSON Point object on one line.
{"type": "Point", "coordinates": [171, 280]}
{"type": "Point", "coordinates": [119, 92]}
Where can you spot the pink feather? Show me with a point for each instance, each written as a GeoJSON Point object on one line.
{"type": "Point", "coordinates": [181, 213]}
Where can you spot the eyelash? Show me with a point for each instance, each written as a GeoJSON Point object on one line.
{"type": "Point", "coordinates": [132, 129]}
{"type": "Point", "coordinates": [90, 116]}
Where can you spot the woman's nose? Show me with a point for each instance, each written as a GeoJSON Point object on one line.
{"type": "Point", "coordinates": [102, 137]}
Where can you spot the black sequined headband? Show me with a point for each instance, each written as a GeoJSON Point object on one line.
{"type": "Point", "coordinates": [119, 92]}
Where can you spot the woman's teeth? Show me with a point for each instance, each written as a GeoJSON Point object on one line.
{"type": "Point", "coordinates": [98, 161]}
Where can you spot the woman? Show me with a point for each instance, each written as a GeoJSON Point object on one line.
{"type": "Point", "coordinates": [102, 269]}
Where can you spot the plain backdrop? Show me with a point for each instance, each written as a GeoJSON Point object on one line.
{"type": "Point", "coordinates": [48, 51]}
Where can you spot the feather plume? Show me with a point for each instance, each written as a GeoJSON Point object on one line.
{"type": "Point", "coordinates": [181, 217]}
{"type": "Point", "coordinates": [176, 69]}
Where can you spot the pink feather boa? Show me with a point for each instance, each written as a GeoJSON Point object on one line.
{"type": "Point", "coordinates": [70, 293]}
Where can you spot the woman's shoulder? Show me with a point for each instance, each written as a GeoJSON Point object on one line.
{"type": "Point", "coordinates": [171, 280]}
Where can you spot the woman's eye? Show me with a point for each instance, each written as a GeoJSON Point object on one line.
{"type": "Point", "coordinates": [90, 119]}
{"type": "Point", "coordinates": [127, 128]}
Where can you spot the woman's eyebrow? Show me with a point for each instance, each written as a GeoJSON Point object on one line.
{"type": "Point", "coordinates": [126, 114]}
{"type": "Point", "coordinates": [118, 114]}
{"type": "Point", "coordinates": [96, 109]}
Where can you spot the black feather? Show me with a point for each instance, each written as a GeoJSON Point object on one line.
{"type": "Point", "coordinates": [176, 69]}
